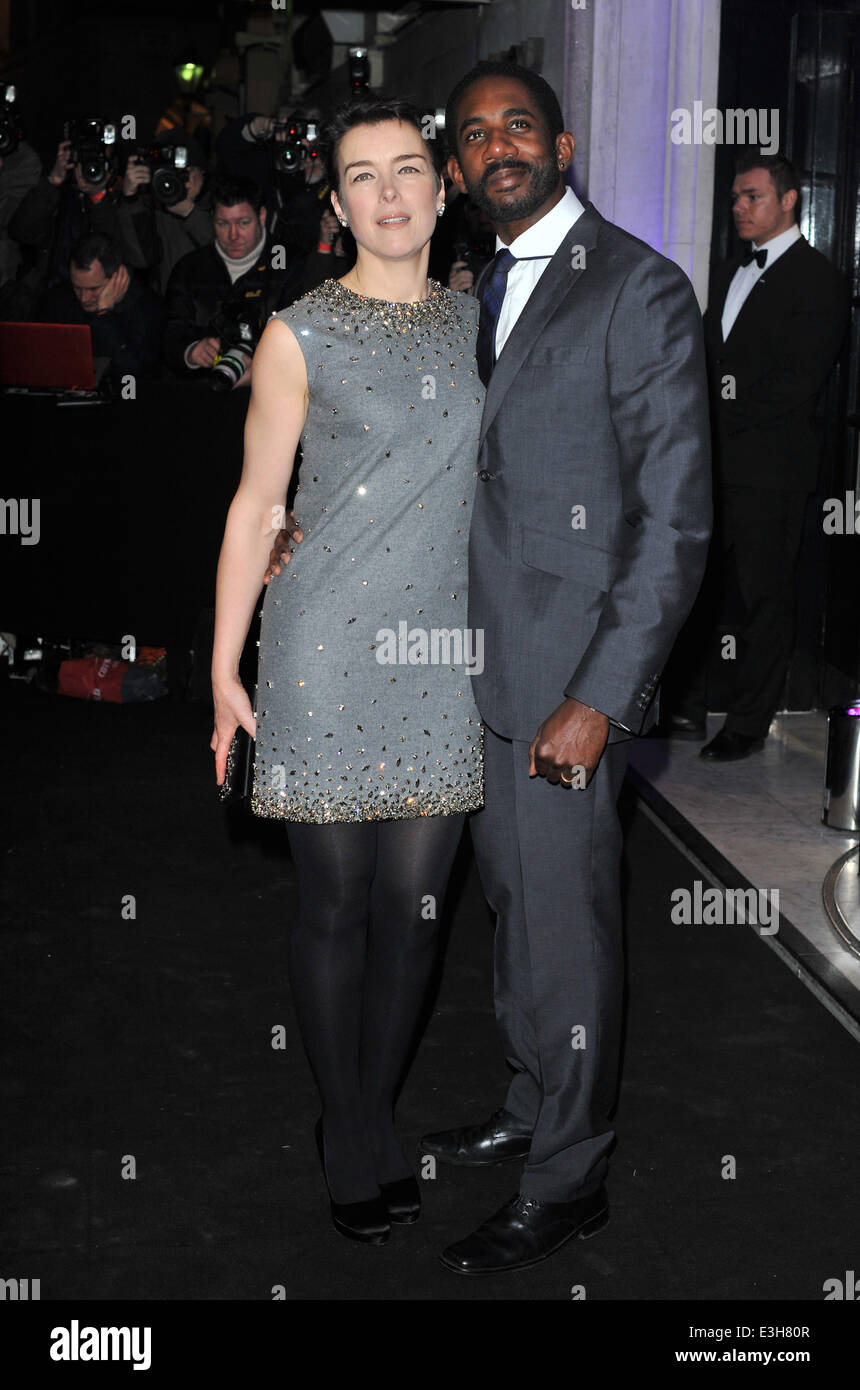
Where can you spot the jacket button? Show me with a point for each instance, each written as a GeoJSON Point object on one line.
{"type": "Point", "coordinates": [485, 475]}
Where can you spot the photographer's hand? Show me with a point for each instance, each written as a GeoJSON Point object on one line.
{"type": "Point", "coordinates": [113, 290]}
{"type": "Point", "coordinates": [61, 163]}
{"type": "Point", "coordinates": [137, 172]}
{"type": "Point", "coordinates": [460, 277]}
{"type": "Point", "coordinates": [261, 127]}
{"type": "Point", "coordinates": [205, 351]}
{"type": "Point", "coordinates": [187, 205]}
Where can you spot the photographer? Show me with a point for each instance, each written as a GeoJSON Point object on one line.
{"type": "Point", "coordinates": [78, 195]}
{"type": "Point", "coordinates": [165, 211]}
{"type": "Point", "coordinates": [279, 152]}
{"type": "Point", "coordinates": [331, 259]}
{"type": "Point", "coordinates": [126, 320]}
{"type": "Point", "coordinates": [227, 290]}
{"type": "Point", "coordinates": [20, 171]}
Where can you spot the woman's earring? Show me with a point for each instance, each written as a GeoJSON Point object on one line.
{"type": "Point", "coordinates": [343, 222]}
{"type": "Point", "coordinates": [440, 210]}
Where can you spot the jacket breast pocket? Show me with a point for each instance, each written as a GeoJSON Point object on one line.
{"type": "Point", "coordinates": [562, 357]}
{"type": "Point", "coordinates": [571, 559]}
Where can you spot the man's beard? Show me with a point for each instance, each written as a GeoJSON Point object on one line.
{"type": "Point", "coordinates": [542, 181]}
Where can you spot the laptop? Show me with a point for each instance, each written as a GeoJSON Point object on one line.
{"type": "Point", "coordinates": [54, 358]}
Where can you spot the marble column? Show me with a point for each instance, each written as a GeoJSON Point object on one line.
{"type": "Point", "coordinates": [628, 65]}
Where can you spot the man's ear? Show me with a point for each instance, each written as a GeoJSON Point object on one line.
{"type": "Point", "coordinates": [262, 216]}
{"type": "Point", "coordinates": [789, 200]}
{"type": "Point", "coordinates": [455, 173]}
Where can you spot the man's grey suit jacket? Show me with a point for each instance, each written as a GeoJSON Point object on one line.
{"type": "Point", "coordinates": [593, 508]}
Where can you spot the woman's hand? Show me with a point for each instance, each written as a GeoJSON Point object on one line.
{"type": "Point", "coordinates": [232, 708]}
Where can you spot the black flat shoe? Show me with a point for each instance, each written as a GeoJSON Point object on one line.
{"type": "Point", "coordinates": [500, 1139]}
{"type": "Point", "coordinates": [365, 1221]}
{"type": "Point", "coordinates": [402, 1200]}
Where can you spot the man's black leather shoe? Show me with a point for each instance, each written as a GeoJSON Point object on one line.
{"type": "Point", "coordinates": [682, 726]}
{"type": "Point", "coordinates": [500, 1139]}
{"type": "Point", "coordinates": [728, 747]}
{"type": "Point", "coordinates": [524, 1232]}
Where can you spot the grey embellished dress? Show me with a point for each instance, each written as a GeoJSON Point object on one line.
{"type": "Point", "coordinates": [364, 706]}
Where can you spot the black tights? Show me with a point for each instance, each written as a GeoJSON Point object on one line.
{"type": "Point", "coordinates": [361, 956]}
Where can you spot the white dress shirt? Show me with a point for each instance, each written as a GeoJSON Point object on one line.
{"type": "Point", "coordinates": [746, 276]}
{"type": "Point", "coordinates": [541, 240]}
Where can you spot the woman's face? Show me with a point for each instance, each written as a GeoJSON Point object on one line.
{"type": "Point", "coordinates": [389, 190]}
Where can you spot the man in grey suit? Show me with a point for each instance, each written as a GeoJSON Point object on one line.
{"type": "Point", "coordinates": [588, 543]}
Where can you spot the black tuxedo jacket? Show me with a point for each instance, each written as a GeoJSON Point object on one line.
{"type": "Point", "coordinates": [775, 360]}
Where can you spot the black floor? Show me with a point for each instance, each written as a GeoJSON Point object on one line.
{"type": "Point", "coordinates": [148, 1037]}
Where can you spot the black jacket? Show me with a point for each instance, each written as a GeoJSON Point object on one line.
{"type": "Point", "coordinates": [199, 285]}
{"type": "Point", "coordinates": [780, 349]}
{"type": "Point", "coordinates": [129, 334]}
{"type": "Point", "coordinates": [50, 219]}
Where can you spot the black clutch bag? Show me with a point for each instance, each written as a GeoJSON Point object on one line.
{"type": "Point", "coordinates": [239, 777]}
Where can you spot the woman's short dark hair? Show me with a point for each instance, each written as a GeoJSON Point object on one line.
{"type": "Point", "coordinates": [373, 110]}
{"type": "Point", "coordinates": [96, 246]}
{"type": "Point", "coordinates": [541, 93]}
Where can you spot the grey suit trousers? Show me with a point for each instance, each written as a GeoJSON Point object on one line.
{"type": "Point", "coordinates": [549, 861]}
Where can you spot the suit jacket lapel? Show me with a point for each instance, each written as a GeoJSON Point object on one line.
{"type": "Point", "coordinates": [762, 286]}
{"type": "Point", "coordinates": [543, 301]}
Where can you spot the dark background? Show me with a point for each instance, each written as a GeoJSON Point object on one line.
{"type": "Point", "coordinates": [170, 478]}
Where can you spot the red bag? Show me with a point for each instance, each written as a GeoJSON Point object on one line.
{"type": "Point", "coordinates": [92, 678]}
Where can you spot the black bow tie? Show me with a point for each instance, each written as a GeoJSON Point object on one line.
{"type": "Point", "coordinates": [760, 258]}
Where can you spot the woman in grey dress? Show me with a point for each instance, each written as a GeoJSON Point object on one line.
{"type": "Point", "coordinates": [368, 741]}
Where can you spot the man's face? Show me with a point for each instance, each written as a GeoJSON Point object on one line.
{"type": "Point", "coordinates": [759, 212]}
{"type": "Point", "coordinates": [88, 285]}
{"type": "Point", "coordinates": [506, 161]}
{"type": "Point", "coordinates": [238, 229]}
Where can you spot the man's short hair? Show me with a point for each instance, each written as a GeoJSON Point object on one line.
{"type": "Point", "coordinates": [542, 94]}
{"type": "Point", "coordinates": [782, 172]}
{"type": "Point", "coordinates": [95, 246]}
{"type": "Point", "coordinates": [228, 191]}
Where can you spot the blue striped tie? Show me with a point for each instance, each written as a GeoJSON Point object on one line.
{"type": "Point", "coordinates": [492, 297]}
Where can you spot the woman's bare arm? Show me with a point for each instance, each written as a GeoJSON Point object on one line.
{"type": "Point", "coordinates": [273, 427]}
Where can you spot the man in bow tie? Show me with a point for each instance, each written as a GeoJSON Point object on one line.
{"type": "Point", "coordinates": [773, 328]}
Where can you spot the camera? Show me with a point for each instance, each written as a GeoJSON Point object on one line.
{"type": "Point", "coordinates": [10, 130]}
{"type": "Point", "coordinates": [238, 328]}
{"type": "Point", "coordinates": [92, 147]}
{"type": "Point", "coordinates": [298, 145]}
{"type": "Point", "coordinates": [169, 169]}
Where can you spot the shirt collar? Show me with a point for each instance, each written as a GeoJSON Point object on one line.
{"type": "Point", "coordinates": [544, 238]}
{"type": "Point", "coordinates": [778, 244]}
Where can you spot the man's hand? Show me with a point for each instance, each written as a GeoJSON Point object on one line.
{"type": "Point", "coordinates": [113, 290]}
{"type": "Point", "coordinates": [461, 277]}
{"type": "Point", "coordinates": [329, 231]}
{"type": "Point", "coordinates": [574, 736]}
{"type": "Point", "coordinates": [261, 127]}
{"type": "Point", "coordinates": [204, 352]}
{"type": "Point", "coordinates": [137, 172]}
{"type": "Point", "coordinates": [61, 163]}
{"type": "Point", "coordinates": [186, 205]}
{"type": "Point", "coordinates": [280, 553]}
